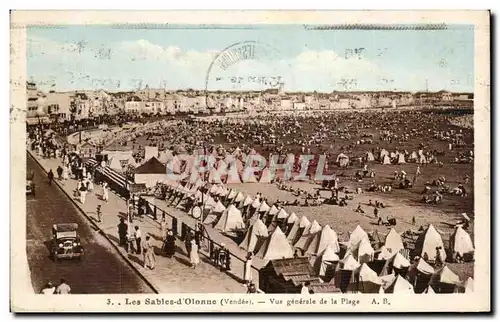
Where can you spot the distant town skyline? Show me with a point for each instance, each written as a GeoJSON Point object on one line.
{"type": "Point", "coordinates": [303, 59]}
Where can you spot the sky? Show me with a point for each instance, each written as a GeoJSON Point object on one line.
{"type": "Point", "coordinates": [117, 58]}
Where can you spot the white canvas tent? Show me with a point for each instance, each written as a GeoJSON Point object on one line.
{"type": "Point", "coordinates": [469, 285]}
{"type": "Point", "coordinates": [400, 286]}
{"type": "Point", "coordinates": [239, 197]}
{"type": "Point", "coordinates": [321, 240]}
{"type": "Point", "coordinates": [276, 247]}
{"type": "Point", "coordinates": [401, 158]}
{"type": "Point", "coordinates": [326, 259]}
{"type": "Point", "coordinates": [365, 280]}
{"type": "Point", "coordinates": [254, 236]}
{"type": "Point", "coordinates": [393, 241]}
{"type": "Point", "coordinates": [248, 201]}
{"type": "Point", "coordinates": [386, 159]}
{"type": "Point", "coordinates": [342, 160]}
{"type": "Point", "coordinates": [292, 218]}
{"type": "Point", "coordinates": [230, 220]}
{"type": "Point", "coordinates": [356, 236]}
{"type": "Point", "coordinates": [369, 156]}
{"type": "Point", "coordinates": [307, 235]}
{"type": "Point", "coordinates": [461, 242]}
{"type": "Point", "coordinates": [298, 227]}
{"type": "Point", "coordinates": [232, 194]}
{"type": "Point", "coordinates": [444, 275]}
{"type": "Point", "coordinates": [427, 243]}
{"type": "Point", "coordinates": [264, 207]}
{"type": "Point", "coordinates": [383, 153]}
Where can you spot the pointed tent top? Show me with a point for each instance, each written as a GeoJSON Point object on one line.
{"type": "Point", "coordinates": [446, 275]}
{"type": "Point", "coordinates": [276, 246]}
{"type": "Point", "coordinates": [259, 228]}
{"type": "Point", "coordinates": [429, 290]}
{"type": "Point", "coordinates": [152, 166]}
{"type": "Point", "coordinates": [349, 263]}
{"type": "Point", "coordinates": [239, 197]}
{"type": "Point", "coordinates": [357, 235]}
{"type": "Point", "coordinates": [304, 222]}
{"type": "Point", "coordinates": [393, 241]}
{"type": "Point", "coordinates": [248, 201]}
{"type": "Point", "coordinates": [256, 203]}
{"type": "Point", "coordinates": [365, 247]}
{"type": "Point", "coordinates": [219, 207]}
{"type": "Point", "coordinates": [328, 239]}
{"type": "Point", "coordinates": [401, 285]}
{"type": "Point", "coordinates": [232, 193]}
{"type": "Point", "coordinates": [292, 218]}
{"type": "Point", "coordinates": [399, 261]}
{"type": "Point", "coordinates": [366, 274]}
{"type": "Point", "coordinates": [469, 285]}
{"type": "Point", "coordinates": [423, 267]}
{"type": "Point", "coordinates": [273, 210]}
{"type": "Point", "coordinates": [315, 227]}
{"type": "Point", "coordinates": [264, 207]}
{"type": "Point", "coordinates": [329, 254]}
{"type": "Point", "coordinates": [281, 214]}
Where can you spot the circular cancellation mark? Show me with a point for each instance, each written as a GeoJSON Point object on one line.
{"type": "Point", "coordinates": [248, 66]}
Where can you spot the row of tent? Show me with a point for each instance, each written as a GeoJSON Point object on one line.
{"type": "Point", "coordinates": [399, 157]}
{"type": "Point", "coordinates": [272, 233]}
{"type": "Point", "coordinates": [354, 272]}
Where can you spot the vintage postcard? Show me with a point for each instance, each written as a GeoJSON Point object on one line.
{"type": "Point", "coordinates": [250, 161]}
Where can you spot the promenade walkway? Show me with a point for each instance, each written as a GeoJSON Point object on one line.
{"type": "Point", "coordinates": [170, 275]}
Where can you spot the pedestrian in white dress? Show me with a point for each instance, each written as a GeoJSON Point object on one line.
{"type": "Point", "coordinates": [105, 192]}
{"type": "Point", "coordinates": [83, 193]}
{"type": "Point", "coordinates": [248, 269]}
{"type": "Point", "coordinates": [193, 255]}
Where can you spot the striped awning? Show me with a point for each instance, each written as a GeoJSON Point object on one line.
{"type": "Point", "coordinates": [115, 176]}
{"type": "Point", "coordinates": [111, 174]}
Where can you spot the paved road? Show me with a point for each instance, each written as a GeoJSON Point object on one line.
{"type": "Point", "coordinates": [101, 271]}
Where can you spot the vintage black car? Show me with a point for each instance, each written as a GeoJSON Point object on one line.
{"type": "Point", "coordinates": [30, 185]}
{"type": "Point", "coordinates": [66, 242]}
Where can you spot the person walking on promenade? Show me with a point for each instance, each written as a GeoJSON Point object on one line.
{"type": "Point", "coordinates": [248, 269]}
{"type": "Point", "coordinates": [59, 172]}
{"type": "Point", "coordinates": [137, 235]}
{"type": "Point", "coordinates": [169, 245]}
{"type": "Point", "coordinates": [83, 192]}
{"type": "Point", "coordinates": [99, 213]}
{"type": "Point", "coordinates": [148, 254]}
{"type": "Point", "coordinates": [105, 191]}
{"type": "Point", "coordinates": [122, 232]}
{"type": "Point", "coordinates": [50, 176]}
{"type": "Point", "coordinates": [163, 228]}
{"type": "Point", "coordinates": [193, 254]}
{"type": "Point", "coordinates": [65, 172]}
